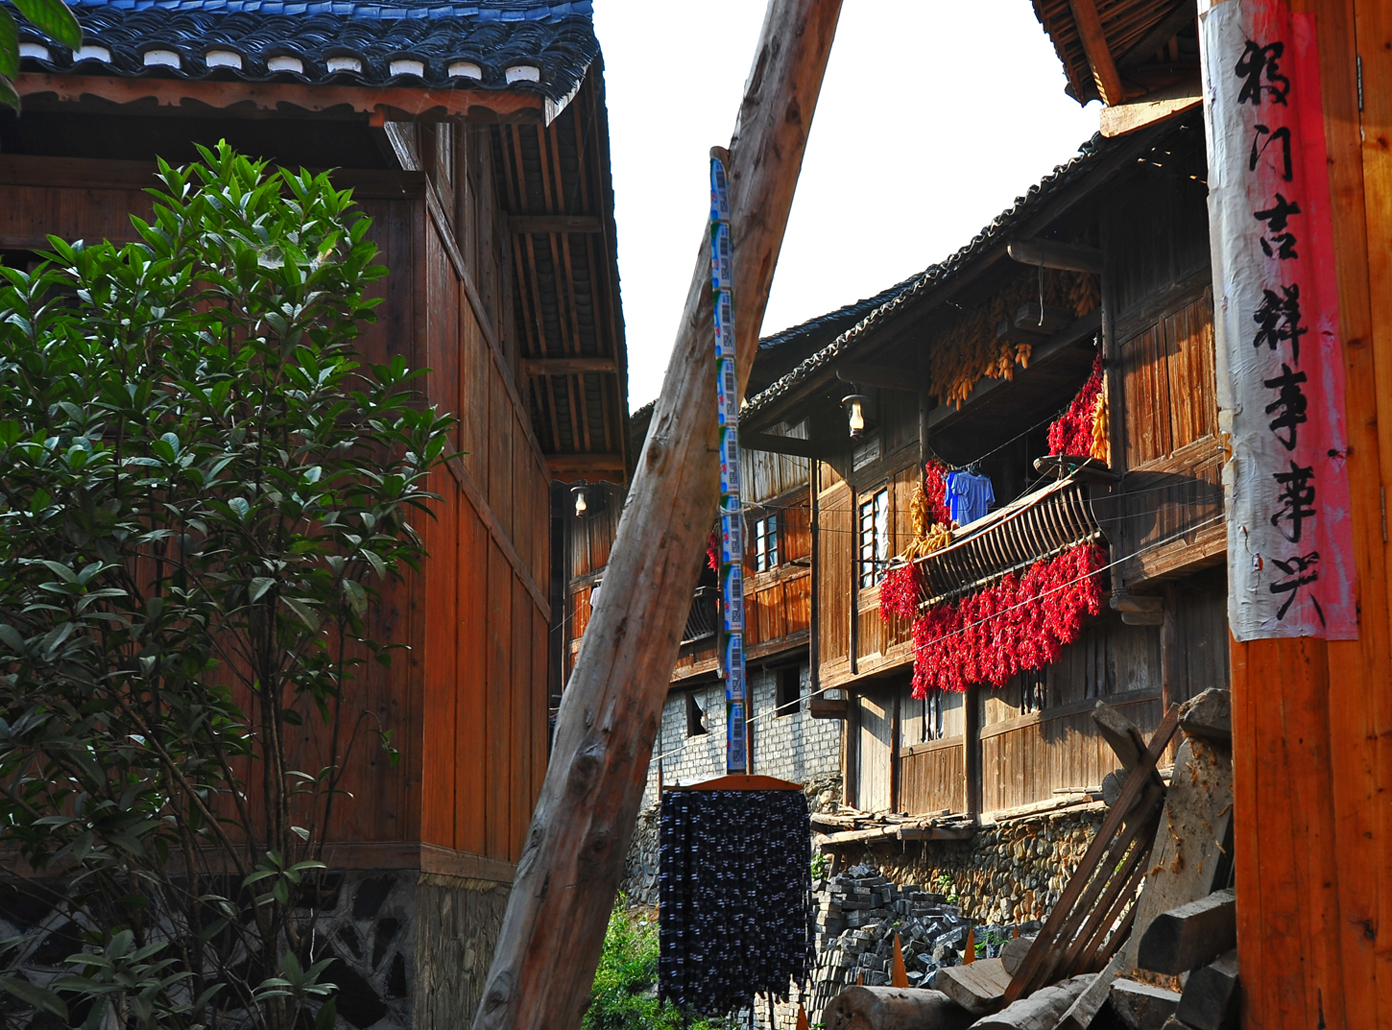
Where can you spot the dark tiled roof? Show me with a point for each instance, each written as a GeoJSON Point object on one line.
{"type": "Point", "coordinates": [489, 44]}
{"type": "Point", "coordinates": [934, 276]}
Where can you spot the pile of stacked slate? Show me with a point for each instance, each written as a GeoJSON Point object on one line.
{"type": "Point", "coordinates": [858, 913]}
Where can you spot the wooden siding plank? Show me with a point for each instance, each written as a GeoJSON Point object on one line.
{"type": "Point", "coordinates": [471, 719]}
{"type": "Point", "coordinates": [498, 782]}
{"type": "Point", "coordinates": [441, 683]}
{"type": "Point", "coordinates": [520, 694]}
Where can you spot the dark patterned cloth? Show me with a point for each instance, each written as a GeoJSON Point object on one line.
{"type": "Point", "coordinates": [735, 885]}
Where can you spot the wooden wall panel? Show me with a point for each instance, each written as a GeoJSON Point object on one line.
{"type": "Point", "coordinates": [1023, 760]}
{"type": "Point", "coordinates": [498, 783]}
{"type": "Point", "coordinates": [931, 777]}
{"type": "Point", "coordinates": [441, 681]}
{"type": "Point", "coordinates": [835, 573]}
{"type": "Point", "coordinates": [873, 749]}
{"type": "Point", "coordinates": [520, 695]}
{"type": "Point", "coordinates": [471, 719]}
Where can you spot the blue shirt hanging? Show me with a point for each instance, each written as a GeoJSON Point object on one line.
{"type": "Point", "coordinates": [969, 497]}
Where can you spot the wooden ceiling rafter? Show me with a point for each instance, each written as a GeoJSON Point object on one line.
{"type": "Point", "coordinates": [1099, 55]}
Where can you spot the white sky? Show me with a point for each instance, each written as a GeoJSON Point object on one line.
{"type": "Point", "coordinates": [934, 116]}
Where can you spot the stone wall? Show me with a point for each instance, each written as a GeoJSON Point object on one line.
{"type": "Point", "coordinates": [1009, 872]}
{"type": "Point", "coordinates": [456, 931]}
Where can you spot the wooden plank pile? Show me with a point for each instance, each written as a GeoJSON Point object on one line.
{"type": "Point", "coordinates": [1142, 935]}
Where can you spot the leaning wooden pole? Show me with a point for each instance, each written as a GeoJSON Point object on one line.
{"type": "Point", "coordinates": [573, 858]}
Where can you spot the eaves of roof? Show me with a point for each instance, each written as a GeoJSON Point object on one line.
{"type": "Point", "coordinates": [934, 277]}
{"type": "Point", "coordinates": [514, 45]}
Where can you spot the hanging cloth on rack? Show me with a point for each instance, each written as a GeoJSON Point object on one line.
{"type": "Point", "coordinates": [969, 496]}
{"type": "Point", "coordinates": [735, 888]}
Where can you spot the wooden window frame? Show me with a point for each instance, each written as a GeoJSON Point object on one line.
{"type": "Point", "coordinates": [872, 554]}
{"type": "Point", "coordinates": [767, 549]}
{"type": "Point", "coordinates": [789, 680]}
{"type": "Point", "coordinates": [695, 717]}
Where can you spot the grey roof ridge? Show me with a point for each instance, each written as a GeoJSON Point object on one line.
{"type": "Point", "coordinates": [1091, 151]}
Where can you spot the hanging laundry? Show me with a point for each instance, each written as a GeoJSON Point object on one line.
{"type": "Point", "coordinates": [736, 889]}
{"type": "Point", "coordinates": [969, 496]}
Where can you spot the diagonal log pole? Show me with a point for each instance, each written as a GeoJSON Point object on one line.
{"type": "Point", "coordinates": [571, 864]}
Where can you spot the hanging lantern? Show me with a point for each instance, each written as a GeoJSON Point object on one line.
{"type": "Point", "coordinates": [855, 404]}
{"type": "Point", "coordinates": [581, 504]}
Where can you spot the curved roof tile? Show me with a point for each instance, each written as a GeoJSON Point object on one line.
{"type": "Point", "coordinates": [444, 38]}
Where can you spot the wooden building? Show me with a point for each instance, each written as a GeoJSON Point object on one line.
{"type": "Point", "coordinates": [959, 365]}
{"type": "Point", "coordinates": [475, 136]}
{"type": "Point", "coordinates": [1310, 713]}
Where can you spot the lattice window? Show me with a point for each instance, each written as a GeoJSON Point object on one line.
{"type": "Point", "coordinates": [874, 537]}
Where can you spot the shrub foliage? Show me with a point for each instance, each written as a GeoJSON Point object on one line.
{"type": "Point", "coordinates": [202, 490]}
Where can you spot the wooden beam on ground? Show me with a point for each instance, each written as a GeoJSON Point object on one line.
{"type": "Point", "coordinates": [569, 870]}
{"type": "Point", "coordinates": [895, 1008]}
{"type": "Point", "coordinates": [1042, 1010]}
{"type": "Point", "coordinates": [882, 377]}
{"type": "Point", "coordinates": [1209, 1000]}
{"type": "Point", "coordinates": [1086, 1006]}
{"type": "Point", "coordinates": [1070, 257]}
{"type": "Point", "coordinates": [1099, 55]}
{"type": "Point", "coordinates": [1188, 936]}
{"type": "Point", "coordinates": [568, 366]}
{"type": "Point", "coordinates": [979, 987]}
{"type": "Point", "coordinates": [521, 224]}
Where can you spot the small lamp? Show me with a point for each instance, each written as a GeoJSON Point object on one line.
{"type": "Point", "coordinates": [855, 413]}
{"type": "Point", "coordinates": [581, 503]}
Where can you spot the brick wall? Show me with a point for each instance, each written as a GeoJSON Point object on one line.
{"type": "Point", "coordinates": [791, 746]}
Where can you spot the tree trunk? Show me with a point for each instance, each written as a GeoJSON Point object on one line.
{"type": "Point", "coordinates": [573, 857]}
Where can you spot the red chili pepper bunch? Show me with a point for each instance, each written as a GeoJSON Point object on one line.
{"type": "Point", "coordinates": [935, 486]}
{"type": "Point", "coordinates": [1016, 624]}
{"type": "Point", "coordinates": [713, 550]}
{"type": "Point", "coordinates": [1072, 433]}
{"type": "Point", "coordinates": [900, 592]}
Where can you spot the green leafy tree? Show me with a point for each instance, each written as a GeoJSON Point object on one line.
{"type": "Point", "coordinates": [52, 18]}
{"type": "Point", "coordinates": [202, 491]}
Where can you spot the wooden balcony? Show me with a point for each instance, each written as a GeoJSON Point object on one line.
{"type": "Point", "coordinates": [1034, 528]}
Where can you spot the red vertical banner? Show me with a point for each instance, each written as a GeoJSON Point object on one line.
{"type": "Point", "coordinates": [1280, 359]}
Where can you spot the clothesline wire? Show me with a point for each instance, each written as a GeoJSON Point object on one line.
{"type": "Point", "coordinates": [971, 625]}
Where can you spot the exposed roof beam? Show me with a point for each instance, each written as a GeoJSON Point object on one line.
{"type": "Point", "coordinates": [592, 466]}
{"type": "Point", "coordinates": [1070, 257]}
{"type": "Point", "coordinates": [1184, 13]}
{"type": "Point", "coordinates": [775, 444]}
{"type": "Point", "coordinates": [1104, 69]}
{"type": "Point", "coordinates": [567, 366]}
{"type": "Point", "coordinates": [522, 224]}
{"type": "Point", "coordinates": [883, 377]}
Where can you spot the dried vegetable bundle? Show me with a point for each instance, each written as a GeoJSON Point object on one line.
{"type": "Point", "coordinates": [968, 350]}
{"type": "Point", "coordinates": [1076, 430]}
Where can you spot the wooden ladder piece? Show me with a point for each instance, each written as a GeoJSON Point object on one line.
{"type": "Point", "coordinates": [1074, 938]}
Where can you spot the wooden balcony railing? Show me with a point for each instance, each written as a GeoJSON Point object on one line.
{"type": "Point", "coordinates": [1033, 528]}
{"type": "Point", "coordinates": [703, 619]}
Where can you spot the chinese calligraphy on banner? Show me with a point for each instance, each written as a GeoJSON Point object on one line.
{"type": "Point", "coordinates": [1280, 361]}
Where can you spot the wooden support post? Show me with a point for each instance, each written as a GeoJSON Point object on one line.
{"type": "Point", "coordinates": [971, 747]}
{"type": "Point", "coordinates": [573, 858]}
